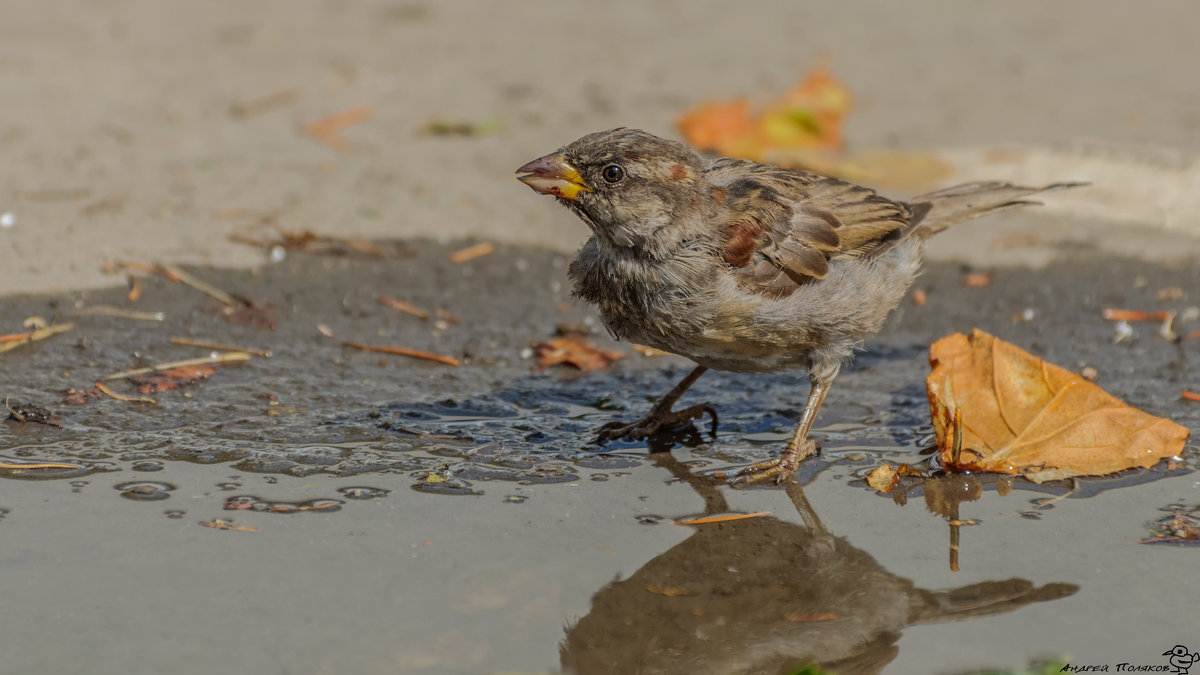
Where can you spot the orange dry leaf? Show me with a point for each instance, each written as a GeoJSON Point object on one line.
{"type": "Point", "coordinates": [726, 127]}
{"type": "Point", "coordinates": [1021, 415]}
{"type": "Point", "coordinates": [803, 129]}
{"type": "Point", "coordinates": [883, 478]}
{"type": "Point", "coordinates": [808, 116]}
{"type": "Point", "coordinates": [328, 130]}
{"type": "Point", "coordinates": [166, 380]}
{"type": "Point", "coordinates": [574, 350]}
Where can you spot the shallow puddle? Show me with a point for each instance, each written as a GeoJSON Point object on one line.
{"type": "Point", "coordinates": [323, 479]}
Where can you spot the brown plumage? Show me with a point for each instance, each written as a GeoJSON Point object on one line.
{"type": "Point", "coordinates": [742, 266]}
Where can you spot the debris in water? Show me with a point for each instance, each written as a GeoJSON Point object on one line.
{"type": "Point", "coordinates": [222, 524]}
{"type": "Point", "coordinates": [28, 412]}
{"type": "Point", "coordinates": [720, 519]}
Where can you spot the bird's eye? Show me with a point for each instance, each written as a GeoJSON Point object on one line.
{"type": "Point", "coordinates": [612, 173]}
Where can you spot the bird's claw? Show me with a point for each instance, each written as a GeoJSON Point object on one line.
{"type": "Point", "coordinates": [775, 470]}
{"type": "Point", "coordinates": [654, 423]}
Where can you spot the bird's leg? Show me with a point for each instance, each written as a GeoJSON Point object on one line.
{"type": "Point", "coordinates": [799, 447]}
{"type": "Point", "coordinates": [661, 416]}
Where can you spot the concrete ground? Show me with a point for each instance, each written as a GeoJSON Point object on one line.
{"type": "Point", "coordinates": [121, 136]}
{"type": "Point", "coordinates": [153, 130]}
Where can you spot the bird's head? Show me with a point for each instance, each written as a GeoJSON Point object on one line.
{"type": "Point", "coordinates": [634, 190]}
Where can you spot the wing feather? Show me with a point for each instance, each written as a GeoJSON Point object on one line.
{"type": "Point", "coordinates": [785, 226]}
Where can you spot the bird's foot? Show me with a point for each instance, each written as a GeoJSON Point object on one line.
{"type": "Point", "coordinates": [656, 421]}
{"type": "Point", "coordinates": [775, 470]}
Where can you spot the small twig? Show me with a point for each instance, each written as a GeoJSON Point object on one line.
{"type": "Point", "coordinates": [202, 286]}
{"type": "Point", "coordinates": [262, 104]}
{"type": "Point", "coordinates": [109, 310]}
{"type": "Point", "coordinates": [229, 357]}
{"type": "Point", "coordinates": [1135, 315]}
{"type": "Point", "coordinates": [403, 306]}
{"type": "Point", "coordinates": [265, 353]}
{"type": "Point", "coordinates": [135, 288]}
{"type": "Point", "coordinates": [1190, 395]}
{"type": "Point", "coordinates": [8, 342]}
{"type": "Point", "coordinates": [16, 415]}
{"type": "Point", "coordinates": [39, 465]}
{"type": "Point", "coordinates": [177, 275]}
{"type": "Point", "coordinates": [473, 252]}
{"type": "Point", "coordinates": [120, 397]}
{"type": "Point", "coordinates": [721, 519]}
{"type": "Point", "coordinates": [956, 448]}
{"type": "Point", "coordinates": [404, 351]}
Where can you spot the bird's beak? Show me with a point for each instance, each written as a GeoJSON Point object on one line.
{"type": "Point", "coordinates": [553, 175]}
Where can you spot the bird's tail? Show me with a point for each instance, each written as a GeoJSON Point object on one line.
{"type": "Point", "coordinates": [987, 598]}
{"type": "Point", "coordinates": [941, 209]}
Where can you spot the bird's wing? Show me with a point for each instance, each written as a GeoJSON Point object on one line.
{"type": "Point", "coordinates": [784, 226]}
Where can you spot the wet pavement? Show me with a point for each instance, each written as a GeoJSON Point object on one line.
{"type": "Point", "coordinates": [389, 515]}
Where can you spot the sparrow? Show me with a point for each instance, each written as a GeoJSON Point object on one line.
{"type": "Point", "coordinates": [741, 266]}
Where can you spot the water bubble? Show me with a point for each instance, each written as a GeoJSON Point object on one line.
{"type": "Point", "coordinates": [450, 486]}
{"type": "Point", "coordinates": [358, 492]}
{"type": "Point", "coordinates": [145, 491]}
{"type": "Point", "coordinates": [175, 514]}
{"type": "Point", "coordinates": [253, 503]}
{"type": "Point", "coordinates": [147, 465]}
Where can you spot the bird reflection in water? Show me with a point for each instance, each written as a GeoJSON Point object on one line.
{"type": "Point", "coordinates": [764, 595]}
